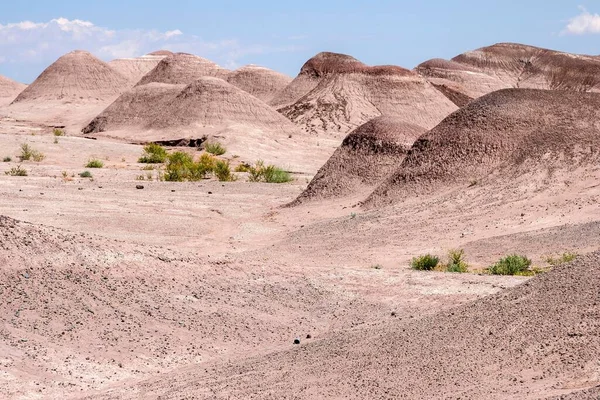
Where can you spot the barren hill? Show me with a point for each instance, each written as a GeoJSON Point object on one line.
{"type": "Point", "coordinates": [261, 82]}
{"type": "Point", "coordinates": [9, 89]}
{"type": "Point", "coordinates": [310, 75]}
{"type": "Point", "coordinates": [533, 341]}
{"type": "Point", "coordinates": [134, 108]}
{"type": "Point", "coordinates": [76, 76]}
{"type": "Point", "coordinates": [365, 158]}
{"type": "Point", "coordinates": [511, 65]}
{"type": "Point", "coordinates": [135, 68]}
{"type": "Point", "coordinates": [510, 132]}
{"type": "Point", "coordinates": [344, 93]}
{"type": "Point", "coordinates": [208, 109]}
{"type": "Point", "coordinates": [182, 69]}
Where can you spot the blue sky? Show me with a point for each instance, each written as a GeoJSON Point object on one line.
{"type": "Point", "coordinates": [282, 35]}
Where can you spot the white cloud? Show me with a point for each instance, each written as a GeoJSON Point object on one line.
{"type": "Point", "coordinates": [584, 23]}
{"type": "Point", "coordinates": [29, 42]}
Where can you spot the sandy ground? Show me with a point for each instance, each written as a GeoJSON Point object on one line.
{"type": "Point", "coordinates": [209, 272]}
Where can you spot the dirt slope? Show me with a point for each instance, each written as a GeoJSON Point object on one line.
{"type": "Point", "coordinates": [509, 133]}
{"type": "Point", "coordinates": [9, 89]}
{"type": "Point", "coordinates": [135, 68]}
{"type": "Point", "coordinates": [512, 65]}
{"type": "Point", "coordinates": [348, 93]}
{"type": "Point", "coordinates": [539, 339]}
{"type": "Point", "coordinates": [366, 157]}
{"type": "Point", "coordinates": [182, 69]}
{"type": "Point", "coordinates": [263, 83]}
{"type": "Point", "coordinates": [84, 312]}
{"type": "Point", "coordinates": [76, 76]}
{"type": "Point", "coordinates": [134, 108]}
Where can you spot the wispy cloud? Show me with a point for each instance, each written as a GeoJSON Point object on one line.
{"type": "Point", "coordinates": [584, 23]}
{"type": "Point", "coordinates": [43, 42]}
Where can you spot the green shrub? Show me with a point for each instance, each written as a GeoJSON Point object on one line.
{"type": "Point", "coordinates": [564, 258]}
{"type": "Point", "coordinates": [243, 167]}
{"type": "Point", "coordinates": [456, 261]}
{"type": "Point", "coordinates": [7, 159]}
{"type": "Point", "coordinates": [182, 167]}
{"type": "Point", "coordinates": [215, 148]}
{"type": "Point", "coordinates": [179, 167]}
{"type": "Point", "coordinates": [513, 264]}
{"type": "Point", "coordinates": [29, 153]}
{"type": "Point", "coordinates": [58, 132]}
{"type": "Point", "coordinates": [16, 171]}
{"type": "Point", "coordinates": [85, 174]}
{"type": "Point", "coordinates": [153, 154]}
{"type": "Point", "coordinates": [274, 174]}
{"type": "Point", "coordinates": [223, 172]}
{"type": "Point", "coordinates": [94, 163]}
{"type": "Point", "coordinates": [426, 262]}
{"type": "Point", "coordinates": [270, 173]}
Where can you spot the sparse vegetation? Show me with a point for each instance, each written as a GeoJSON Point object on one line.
{"type": "Point", "coordinates": [29, 153]}
{"type": "Point", "coordinates": [182, 167]}
{"type": "Point", "coordinates": [563, 258]}
{"type": "Point", "coordinates": [215, 148]}
{"type": "Point", "coordinates": [7, 159]}
{"type": "Point", "coordinates": [58, 132]}
{"type": "Point", "coordinates": [153, 154]}
{"type": "Point", "coordinates": [243, 167]}
{"type": "Point", "coordinates": [16, 171]}
{"type": "Point", "coordinates": [94, 163]}
{"type": "Point", "coordinates": [148, 168]}
{"type": "Point", "coordinates": [513, 264]}
{"type": "Point", "coordinates": [269, 174]}
{"type": "Point", "coordinates": [223, 172]}
{"type": "Point", "coordinates": [85, 174]}
{"type": "Point", "coordinates": [425, 262]}
{"type": "Point", "coordinates": [456, 261]}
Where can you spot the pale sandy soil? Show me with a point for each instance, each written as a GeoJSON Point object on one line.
{"type": "Point", "coordinates": [176, 278]}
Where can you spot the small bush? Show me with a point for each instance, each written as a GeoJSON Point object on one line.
{"type": "Point", "coordinates": [513, 264]}
{"type": "Point", "coordinates": [29, 153]}
{"type": "Point", "coordinates": [270, 173]}
{"type": "Point", "coordinates": [148, 168]}
{"type": "Point", "coordinates": [243, 167]}
{"type": "Point", "coordinates": [564, 258]}
{"type": "Point", "coordinates": [153, 154]}
{"type": "Point", "coordinates": [223, 172]}
{"type": "Point", "coordinates": [94, 163]}
{"type": "Point", "coordinates": [58, 132]}
{"type": "Point", "coordinates": [424, 263]}
{"type": "Point", "coordinates": [16, 171]}
{"type": "Point", "coordinates": [179, 167]}
{"type": "Point", "coordinates": [7, 159]}
{"type": "Point", "coordinates": [182, 167]}
{"type": "Point", "coordinates": [456, 261]}
{"type": "Point", "coordinates": [274, 174]}
{"type": "Point", "coordinates": [215, 148]}
{"type": "Point", "coordinates": [85, 174]}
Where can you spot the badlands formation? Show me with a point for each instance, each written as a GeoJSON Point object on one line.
{"type": "Point", "coordinates": [121, 282]}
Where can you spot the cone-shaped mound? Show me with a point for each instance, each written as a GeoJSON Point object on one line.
{"type": "Point", "coordinates": [134, 108]}
{"type": "Point", "coordinates": [516, 131]}
{"type": "Point", "coordinates": [511, 65]}
{"type": "Point", "coordinates": [263, 83]}
{"type": "Point", "coordinates": [9, 89]}
{"type": "Point", "coordinates": [75, 76]}
{"type": "Point", "coordinates": [134, 69]}
{"type": "Point", "coordinates": [323, 65]}
{"type": "Point", "coordinates": [366, 157]}
{"type": "Point", "coordinates": [182, 69]}
{"type": "Point", "coordinates": [210, 102]}
{"type": "Point", "coordinates": [337, 93]}
{"type": "Point", "coordinates": [539, 339]}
